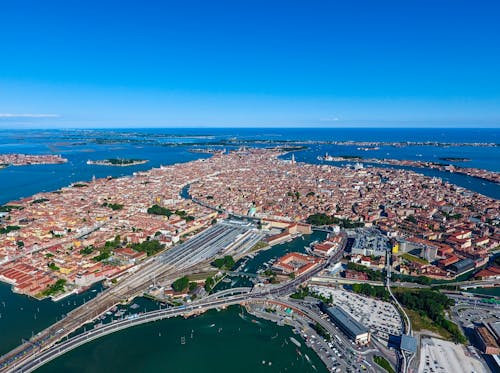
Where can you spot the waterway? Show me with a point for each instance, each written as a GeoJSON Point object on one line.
{"type": "Point", "coordinates": [297, 245]}
{"type": "Point", "coordinates": [218, 341]}
{"type": "Point", "coordinates": [245, 343]}
{"type": "Point", "coordinates": [473, 184]}
{"type": "Point", "coordinates": [22, 316]}
{"type": "Point", "coordinates": [80, 145]}
{"type": "Point", "coordinates": [263, 257]}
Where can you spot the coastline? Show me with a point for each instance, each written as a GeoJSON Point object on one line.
{"type": "Point", "coordinates": [477, 173]}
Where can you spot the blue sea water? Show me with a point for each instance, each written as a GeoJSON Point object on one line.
{"type": "Point", "coordinates": [80, 145]}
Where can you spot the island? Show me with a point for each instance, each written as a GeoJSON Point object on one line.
{"type": "Point", "coordinates": [15, 159]}
{"type": "Point", "coordinates": [117, 162]}
{"type": "Point", "coordinates": [455, 159]}
{"type": "Point", "coordinates": [487, 175]}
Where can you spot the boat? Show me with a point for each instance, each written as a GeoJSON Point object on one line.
{"type": "Point", "coordinates": [295, 342]}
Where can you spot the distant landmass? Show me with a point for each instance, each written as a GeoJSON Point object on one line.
{"type": "Point", "coordinates": [117, 162]}
{"type": "Point", "coordinates": [455, 159]}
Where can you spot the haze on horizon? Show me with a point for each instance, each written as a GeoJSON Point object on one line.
{"type": "Point", "coordinates": [254, 63]}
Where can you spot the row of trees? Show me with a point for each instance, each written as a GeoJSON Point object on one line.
{"type": "Point", "coordinates": [9, 228]}
{"type": "Point", "coordinates": [159, 210]}
{"type": "Point", "coordinates": [324, 219]}
{"type": "Point", "coordinates": [371, 291]}
{"type": "Point", "coordinates": [113, 206]}
{"type": "Point", "coordinates": [9, 208]}
{"type": "Point", "coordinates": [321, 331]}
{"type": "Point", "coordinates": [433, 304]}
{"type": "Point", "coordinates": [150, 247]}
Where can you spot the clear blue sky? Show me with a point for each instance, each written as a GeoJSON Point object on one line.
{"type": "Point", "coordinates": [249, 63]}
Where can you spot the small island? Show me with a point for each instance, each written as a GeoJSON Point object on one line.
{"type": "Point", "coordinates": [455, 159]}
{"type": "Point", "coordinates": [117, 162]}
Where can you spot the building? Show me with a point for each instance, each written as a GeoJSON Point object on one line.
{"type": "Point", "coordinates": [295, 263]}
{"type": "Point", "coordinates": [462, 266]}
{"type": "Point", "coordinates": [278, 238]}
{"type": "Point", "coordinates": [490, 273]}
{"type": "Point", "coordinates": [408, 344]}
{"type": "Point", "coordinates": [369, 242]}
{"type": "Point", "coordinates": [329, 246]}
{"type": "Point", "coordinates": [350, 327]}
{"type": "Point", "coordinates": [486, 341]}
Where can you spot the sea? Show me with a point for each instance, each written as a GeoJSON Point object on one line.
{"type": "Point", "coordinates": [237, 341]}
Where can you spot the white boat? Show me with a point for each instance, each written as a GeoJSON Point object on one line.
{"type": "Point", "coordinates": [295, 342]}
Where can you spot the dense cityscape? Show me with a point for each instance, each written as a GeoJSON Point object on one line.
{"type": "Point", "coordinates": [385, 227]}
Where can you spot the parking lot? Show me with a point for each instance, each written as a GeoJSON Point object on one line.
{"type": "Point", "coordinates": [438, 356]}
{"type": "Point", "coordinates": [381, 317]}
{"type": "Point", "coordinates": [470, 316]}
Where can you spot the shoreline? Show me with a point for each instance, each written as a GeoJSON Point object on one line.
{"type": "Point", "coordinates": [477, 173]}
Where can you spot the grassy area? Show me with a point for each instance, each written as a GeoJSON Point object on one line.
{"type": "Point", "coordinates": [384, 364]}
{"type": "Point", "coordinates": [54, 289]}
{"type": "Point", "coordinates": [201, 275]}
{"type": "Point", "coordinates": [259, 245]}
{"type": "Point", "coordinates": [413, 258]}
{"type": "Point", "coordinates": [419, 322]}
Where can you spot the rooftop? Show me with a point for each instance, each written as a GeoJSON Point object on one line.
{"type": "Point", "coordinates": [344, 318]}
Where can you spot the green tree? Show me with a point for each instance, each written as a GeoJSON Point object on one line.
{"type": "Point", "coordinates": [224, 263]}
{"type": "Point", "coordinates": [180, 284]}
{"type": "Point", "coordinates": [158, 210]}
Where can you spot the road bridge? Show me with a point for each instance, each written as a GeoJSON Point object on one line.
{"type": "Point", "coordinates": [41, 357]}
{"type": "Point", "coordinates": [178, 261]}
{"type": "Point", "coordinates": [244, 274]}
{"type": "Point", "coordinates": [175, 262]}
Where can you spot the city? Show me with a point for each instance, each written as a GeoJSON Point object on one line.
{"type": "Point", "coordinates": [250, 186]}
{"type": "Point", "coordinates": [142, 234]}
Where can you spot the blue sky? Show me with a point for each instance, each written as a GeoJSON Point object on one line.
{"type": "Point", "coordinates": [249, 63]}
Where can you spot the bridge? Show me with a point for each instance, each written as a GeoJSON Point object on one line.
{"type": "Point", "coordinates": [244, 274]}
{"type": "Point", "coordinates": [180, 260]}
{"type": "Point", "coordinates": [173, 263]}
{"type": "Point", "coordinates": [219, 300]}
{"type": "Point", "coordinates": [41, 357]}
